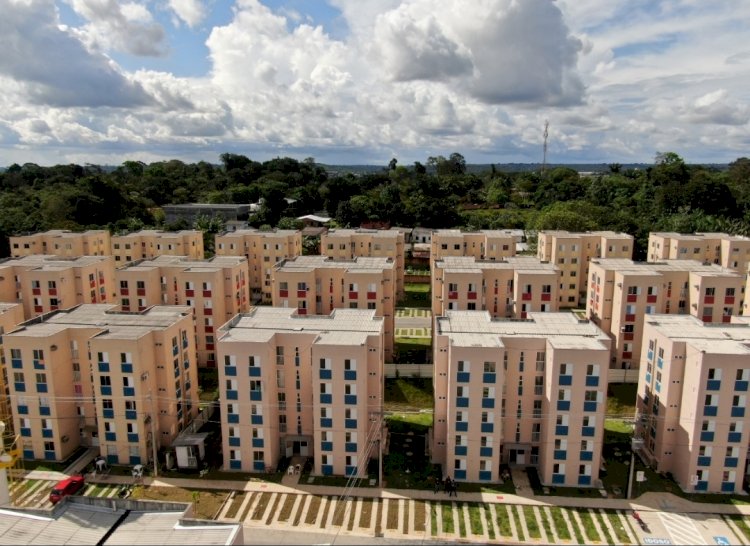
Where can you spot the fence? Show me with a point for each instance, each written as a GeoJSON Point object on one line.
{"type": "Point", "coordinates": [408, 370]}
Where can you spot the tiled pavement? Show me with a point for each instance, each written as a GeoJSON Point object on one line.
{"type": "Point", "coordinates": [417, 514]}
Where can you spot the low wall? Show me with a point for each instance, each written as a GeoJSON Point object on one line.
{"type": "Point", "coordinates": [622, 376]}
{"type": "Point", "coordinates": [408, 370]}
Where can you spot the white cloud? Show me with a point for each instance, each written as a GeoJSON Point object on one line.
{"type": "Point", "coordinates": [191, 12]}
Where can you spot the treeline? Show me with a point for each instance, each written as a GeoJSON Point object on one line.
{"type": "Point", "coordinates": [670, 195]}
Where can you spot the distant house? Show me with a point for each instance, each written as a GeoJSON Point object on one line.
{"type": "Point", "coordinates": [190, 211]}
{"type": "Point", "coordinates": [314, 220]}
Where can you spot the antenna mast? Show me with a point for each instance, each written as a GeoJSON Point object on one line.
{"type": "Point", "coordinates": [544, 155]}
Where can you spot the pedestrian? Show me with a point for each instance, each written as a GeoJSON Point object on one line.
{"type": "Point", "coordinates": [447, 486]}
{"type": "Point", "coordinates": [437, 483]}
{"type": "Point", "coordinates": [454, 488]}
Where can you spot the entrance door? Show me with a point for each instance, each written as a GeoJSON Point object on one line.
{"type": "Point", "coordinates": [520, 456]}
{"type": "Point", "coordinates": [289, 449]}
{"type": "Point", "coordinates": [303, 448]}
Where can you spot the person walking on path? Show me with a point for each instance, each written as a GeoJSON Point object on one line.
{"type": "Point", "coordinates": [454, 489]}
{"type": "Point", "coordinates": [438, 483]}
{"type": "Point", "coordinates": [447, 486]}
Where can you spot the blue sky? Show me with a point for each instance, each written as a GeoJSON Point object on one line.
{"type": "Point", "coordinates": [362, 81]}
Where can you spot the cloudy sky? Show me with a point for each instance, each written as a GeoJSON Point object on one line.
{"type": "Point", "coordinates": [363, 81]}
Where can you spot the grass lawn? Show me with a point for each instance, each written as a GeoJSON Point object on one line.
{"type": "Point", "coordinates": [558, 520]}
{"type": "Point", "coordinates": [517, 522]}
{"type": "Point", "coordinates": [621, 399]}
{"type": "Point", "coordinates": [412, 392]}
{"type": "Point", "coordinates": [616, 522]}
{"type": "Point", "coordinates": [488, 519]}
{"type": "Point", "coordinates": [503, 520]}
{"type": "Point", "coordinates": [206, 504]}
{"type": "Point", "coordinates": [531, 522]}
{"type": "Point", "coordinates": [365, 514]}
{"type": "Point", "coordinates": [415, 295]}
{"type": "Point", "coordinates": [448, 524]}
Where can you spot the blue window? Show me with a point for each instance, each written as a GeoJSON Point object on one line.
{"type": "Point", "coordinates": [23, 410]}
{"type": "Point", "coordinates": [704, 461]}
{"type": "Point", "coordinates": [28, 454]}
{"type": "Point", "coordinates": [256, 419]}
{"type": "Point", "coordinates": [460, 402]}
{"type": "Point", "coordinates": [462, 426]}
{"type": "Point", "coordinates": [463, 377]}
{"type": "Point", "coordinates": [253, 371]}
{"type": "Point", "coordinates": [49, 455]}
{"type": "Point", "coordinates": [707, 436]}
{"type": "Point", "coordinates": [126, 367]}
{"type": "Point", "coordinates": [350, 375]}
{"type": "Point", "coordinates": [561, 430]}
{"type": "Point", "coordinates": [648, 378]}
{"type": "Point", "coordinates": [256, 396]}
{"type": "Point", "coordinates": [258, 442]}
{"type": "Point", "coordinates": [566, 380]}
{"type": "Point", "coordinates": [231, 395]}
{"type": "Point", "coordinates": [233, 418]}
{"type": "Point", "coordinates": [584, 480]}
{"type": "Point", "coordinates": [259, 466]}
{"type": "Point", "coordinates": [234, 441]}
{"type": "Point", "coordinates": [485, 475]}
{"type": "Point", "coordinates": [326, 446]}
{"type": "Point", "coordinates": [709, 411]}
{"type": "Point", "coordinates": [488, 427]}
{"type": "Point", "coordinates": [558, 478]}
{"type": "Point", "coordinates": [460, 450]}
{"type": "Point", "coordinates": [587, 455]}
{"type": "Point", "coordinates": [350, 399]}
{"type": "Point", "coordinates": [489, 378]}
{"type": "Point", "coordinates": [740, 385]}
{"type": "Point", "coordinates": [488, 402]}
{"type": "Point", "coordinates": [21, 387]}
{"type": "Point", "coordinates": [47, 433]}
{"type": "Point", "coordinates": [16, 363]}
{"type": "Point", "coordinates": [738, 412]}
{"type": "Point", "coordinates": [459, 474]}
{"type": "Point", "coordinates": [326, 398]}
{"type": "Point", "coordinates": [727, 487]}
{"type": "Point", "coordinates": [108, 413]}
{"type": "Point", "coordinates": [587, 431]}
{"type": "Point", "coordinates": [26, 432]}
{"type": "Point", "coordinates": [350, 447]}
{"type": "Point", "coordinates": [131, 414]}
{"type": "Point", "coordinates": [351, 470]}
{"type": "Point", "coordinates": [350, 423]}
{"type": "Point", "coordinates": [133, 438]}
{"type": "Point", "coordinates": [325, 374]}
{"type": "Point", "coordinates": [135, 459]}
{"type": "Point", "coordinates": [563, 405]}
{"type": "Point", "coordinates": [41, 387]}
{"type": "Point", "coordinates": [326, 422]}
{"type": "Point", "coordinates": [44, 410]}
{"type": "Point", "coordinates": [713, 385]}
{"type": "Point", "coordinates": [485, 452]}
{"type": "Point", "coordinates": [104, 367]}
{"type": "Point", "coordinates": [231, 371]}
{"type": "Point", "coordinates": [129, 391]}
{"type": "Point", "coordinates": [235, 465]}
{"type": "Point", "coordinates": [110, 436]}
{"type": "Point", "coordinates": [592, 380]}
{"type": "Point", "coordinates": [731, 462]}
{"type": "Point", "coordinates": [589, 406]}
{"type": "Point", "coordinates": [561, 454]}
{"type": "Point", "coordinates": [732, 437]}
{"type": "Point", "coordinates": [326, 469]}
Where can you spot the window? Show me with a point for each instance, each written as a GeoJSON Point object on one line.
{"type": "Point", "coordinates": [489, 367]}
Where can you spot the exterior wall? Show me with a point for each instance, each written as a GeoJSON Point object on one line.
{"type": "Point", "coordinates": [731, 251]}
{"type": "Point", "coordinates": [622, 294]}
{"type": "Point", "coordinates": [519, 393]}
{"type": "Point", "coordinates": [149, 243]}
{"type": "Point", "coordinates": [46, 283]}
{"type": "Point", "coordinates": [216, 289]}
{"type": "Point", "coordinates": [509, 289]}
{"type": "Point", "coordinates": [318, 286]}
{"type": "Point", "coordinates": [347, 244]}
{"type": "Point", "coordinates": [62, 243]}
{"type": "Point", "coordinates": [141, 385]}
{"type": "Point", "coordinates": [692, 399]}
{"type": "Point", "coordinates": [263, 250]}
{"type": "Point", "coordinates": [572, 252]}
{"type": "Point", "coordinates": [287, 391]}
{"type": "Point", "coordinates": [11, 315]}
{"type": "Point", "coordinates": [482, 245]}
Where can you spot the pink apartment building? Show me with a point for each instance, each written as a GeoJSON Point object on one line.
{"type": "Point", "coordinates": [510, 288]}
{"type": "Point", "coordinates": [347, 244]}
{"type": "Point", "coordinates": [95, 377]}
{"type": "Point", "coordinates": [571, 253]}
{"type": "Point", "coordinates": [622, 294]}
{"type": "Point", "coordinates": [263, 250]}
{"type": "Point", "coordinates": [61, 242]}
{"type": "Point", "coordinates": [216, 289]}
{"type": "Point", "coordinates": [731, 251]}
{"type": "Point", "coordinates": [318, 285]}
{"type": "Point", "coordinates": [301, 385]}
{"type": "Point", "coordinates": [692, 401]}
{"type": "Point", "coordinates": [150, 243]}
{"type": "Point", "coordinates": [526, 393]}
{"type": "Point", "coordinates": [11, 315]}
{"type": "Point", "coordinates": [47, 283]}
{"type": "Point", "coordinates": [485, 244]}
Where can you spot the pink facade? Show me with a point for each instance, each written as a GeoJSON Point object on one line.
{"type": "Point", "coordinates": [147, 244]}
{"type": "Point", "coordinates": [60, 242]}
{"type": "Point", "coordinates": [526, 393]}
{"type": "Point", "coordinates": [485, 244]}
{"type": "Point", "coordinates": [731, 251]}
{"type": "Point", "coordinates": [301, 385]}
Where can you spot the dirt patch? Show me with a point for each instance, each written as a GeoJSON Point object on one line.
{"type": "Point", "coordinates": [206, 504]}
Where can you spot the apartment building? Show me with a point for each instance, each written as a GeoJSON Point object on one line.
{"type": "Point", "coordinates": [318, 285]}
{"type": "Point", "coordinates": [308, 385]}
{"type": "Point", "coordinates": [622, 293]}
{"type": "Point", "coordinates": [526, 393]}
{"type": "Point", "coordinates": [571, 253]}
{"type": "Point", "coordinates": [263, 250]}
{"type": "Point", "coordinates": [485, 244]}
{"type": "Point", "coordinates": [216, 289]}
{"type": "Point", "coordinates": [692, 401]}
{"type": "Point", "coordinates": [147, 244]}
{"type": "Point", "coordinates": [92, 376]}
{"type": "Point", "coordinates": [732, 251]}
{"type": "Point", "coordinates": [11, 315]}
{"type": "Point", "coordinates": [347, 244]}
{"type": "Point", "coordinates": [510, 288]}
{"type": "Point", "coordinates": [62, 242]}
{"type": "Point", "coordinates": [47, 283]}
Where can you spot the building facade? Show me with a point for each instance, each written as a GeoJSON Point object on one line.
{"type": "Point", "coordinates": [526, 393]}
{"type": "Point", "coordinates": [263, 250]}
{"type": "Point", "coordinates": [307, 385]}
{"type": "Point", "coordinates": [731, 251]}
{"type": "Point", "coordinates": [216, 289]}
{"type": "Point", "coordinates": [147, 244]}
{"type": "Point", "coordinates": [692, 401]}
{"type": "Point", "coordinates": [623, 293]}
{"type": "Point", "coordinates": [510, 288]}
{"type": "Point", "coordinates": [61, 242]}
{"type": "Point", "coordinates": [485, 244]}
{"type": "Point", "coordinates": [11, 315]}
{"type": "Point", "coordinates": [91, 376]}
{"type": "Point", "coordinates": [318, 285]}
{"type": "Point", "coordinates": [47, 283]}
{"type": "Point", "coordinates": [571, 252]}
{"type": "Point", "coordinates": [347, 244]}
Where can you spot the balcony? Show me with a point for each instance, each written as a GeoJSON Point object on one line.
{"type": "Point", "coordinates": [232, 395]}
{"type": "Point", "coordinates": [565, 380]}
{"type": "Point", "coordinates": [233, 418]}
{"type": "Point", "coordinates": [350, 447]}
{"type": "Point", "coordinates": [731, 462]}
{"type": "Point", "coordinates": [256, 419]}
{"type": "Point", "coordinates": [235, 465]}
{"type": "Point", "coordinates": [258, 442]}
{"type": "Point", "coordinates": [350, 399]}
{"type": "Point", "coordinates": [128, 391]}
{"type": "Point", "coordinates": [452, 295]}
{"type": "Point", "coordinates": [584, 480]}
{"type": "Point", "coordinates": [727, 487]}
{"type": "Point", "coordinates": [738, 411]}
{"type": "Point", "coordinates": [586, 455]}
{"type": "Point", "coordinates": [462, 426]}
{"type": "Point", "coordinates": [561, 430]}
{"type": "Point", "coordinates": [26, 432]}
{"type": "Point", "coordinates": [372, 295]}
{"type": "Point", "coordinates": [710, 411]}
{"type": "Point", "coordinates": [462, 402]}
{"type": "Point", "coordinates": [326, 446]}
{"type": "Point", "coordinates": [38, 364]}
{"type": "Point", "coordinates": [23, 410]}
{"type": "Point", "coordinates": [231, 371]}
{"type": "Point", "coordinates": [485, 475]}
{"type": "Point", "coordinates": [708, 436]}
{"type": "Point", "coordinates": [526, 296]}
{"type": "Point", "coordinates": [259, 466]}
{"type": "Point", "coordinates": [706, 318]}
{"type": "Point", "coordinates": [283, 293]}
{"type": "Point", "coordinates": [589, 406]}
{"type": "Point", "coordinates": [546, 296]}
{"type": "Point", "coordinates": [353, 295]}
{"type": "Point", "coordinates": [713, 385]}
{"type": "Point", "coordinates": [729, 300]}
{"type": "Point", "coordinates": [189, 293]}
{"type": "Point", "coordinates": [349, 375]}
{"type": "Point", "coordinates": [740, 386]}
{"type": "Point", "coordinates": [471, 295]}
{"type": "Point", "coordinates": [301, 293]}
{"type": "Point", "coordinates": [326, 422]}
{"type": "Point", "coordinates": [326, 374]}
{"type": "Point", "coordinates": [253, 371]}
{"type": "Point", "coordinates": [488, 427]}
{"type": "Point", "coordinates": [628, 336]}
{"type": "Point", "coordinates": [350, 423]}
{"type": "Point", "coordinates": [326, 469]}
{"type": "Point", "coordinates": [16, 363]}
{"type": "Point", "coordinates": [708, 300]}
{"type": "Point", "coordinates": [351, 470]}
{"type": "Point", "coordinates": [587, 431]}
{"type": "Point", "coordinates": [488, 403]}
{"type": "Point", "coordinates": [110, 436]}
{"type": "Point", "coordinates": [256, 396]}
{"type": "Point", "coordinates": [103, 367]}
{"type": "Point", "coordinates": [459, 474]}
{"type": "Point", "coordinates": [326, 399]}
{"type": "Point", "coordinates": [485, 451]}
{"type": "Point", "coordinates": [106, 390]}
{"type": "Point", "coordinates": [592, 380]}
{"type": "Point", "coordinates": [47, 433]}
{"type": "Point", "coordinates": [206, 293]}
{"type": "Point", "coordinates": [651, 298]}
{"type": "Point", "coordinates": [460, 451]}
{"type": "Point", "coordinates": [489, 377]}
{"type": "Point", "coordinates": [36, 291]}
{"type": "Point", "coordinates": [208, 311]}
{"type": "Point", "coordinates": [704, 461]}
{"type": "Point", "coordinates": [131, 414]}
{"type": "Point", "coordinates": [41, 387]}
{"type": "Point", "coordinates": [629, 318]}
{"type": "Point", "coordinates": [558, 479]}
{"type": "Point", "coordinates": [126, 367]}
{"type": "Point", "coordinates": [563, 405]}
{"type": "Point", "coordinates": [560, 455]}
{"type": "Point", "coordinates": [133, 438]}
{"type": "Point", "coordinates": [463, 377]}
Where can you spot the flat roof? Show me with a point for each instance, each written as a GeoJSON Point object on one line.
{"type": "Point", "coordinates": [578, 234]}
{"type": "Point", "coordinates": [721, 338]}
{"type": "Point", "coordinates": [215, 263]}
{"type": "Point", "coordinates": [469, 264]}
{"type": "Point", "coordinates": [52, 262]}
{"type": "Point", "coordinates": [624, 265]}
{"type": "Point", "coordinates": [360, 263]}
{"type": "Point", "coordinates": [245, 232]}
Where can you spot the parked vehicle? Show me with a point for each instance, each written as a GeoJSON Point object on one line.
{"type": "Point", "coordinates": [68, 486]}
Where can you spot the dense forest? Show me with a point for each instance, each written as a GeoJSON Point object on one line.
{"type": "Point", "coordinates": [669, 195]}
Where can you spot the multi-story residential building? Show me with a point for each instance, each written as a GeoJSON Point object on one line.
{"type": "Point", "coordinates": [60, 242]}
{"type": "Point", "coordinates": [11, 315]}
{"type": "Point", "coordinates": [523, 393]}
{"type": "Point", "coordinates": [263, 250]}
{"type": "Point", "coordinates": [150, 243]}
{"type": "Point", "coordinates": [509, 288]}
{"type": "Point", "coordinates": [622, 293]}
{"type": "Point", "coordinates": [692, 401]}
{"type": "Point", "coordinates": [318, 285]}
{"type": "Point", "coordinates": [307, 385]}
{"type": "Point", "coordinates": [732, 251]}
{"type": "Point", "coordinates": [92, 376]}
{"type": "Point", "coordinates": [216, 289]}
{"type": "Point", "coordinates": [571, 253]}
{"type": "Point", "coordinates": [46, 283]}
{"type": "Point", "coordinates": [485, 244]}
{"type": "Point", "coordinates": [347, 244]}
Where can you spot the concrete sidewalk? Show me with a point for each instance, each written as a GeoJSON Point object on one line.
{"type": "Point", "coordinates": [664, 502]}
